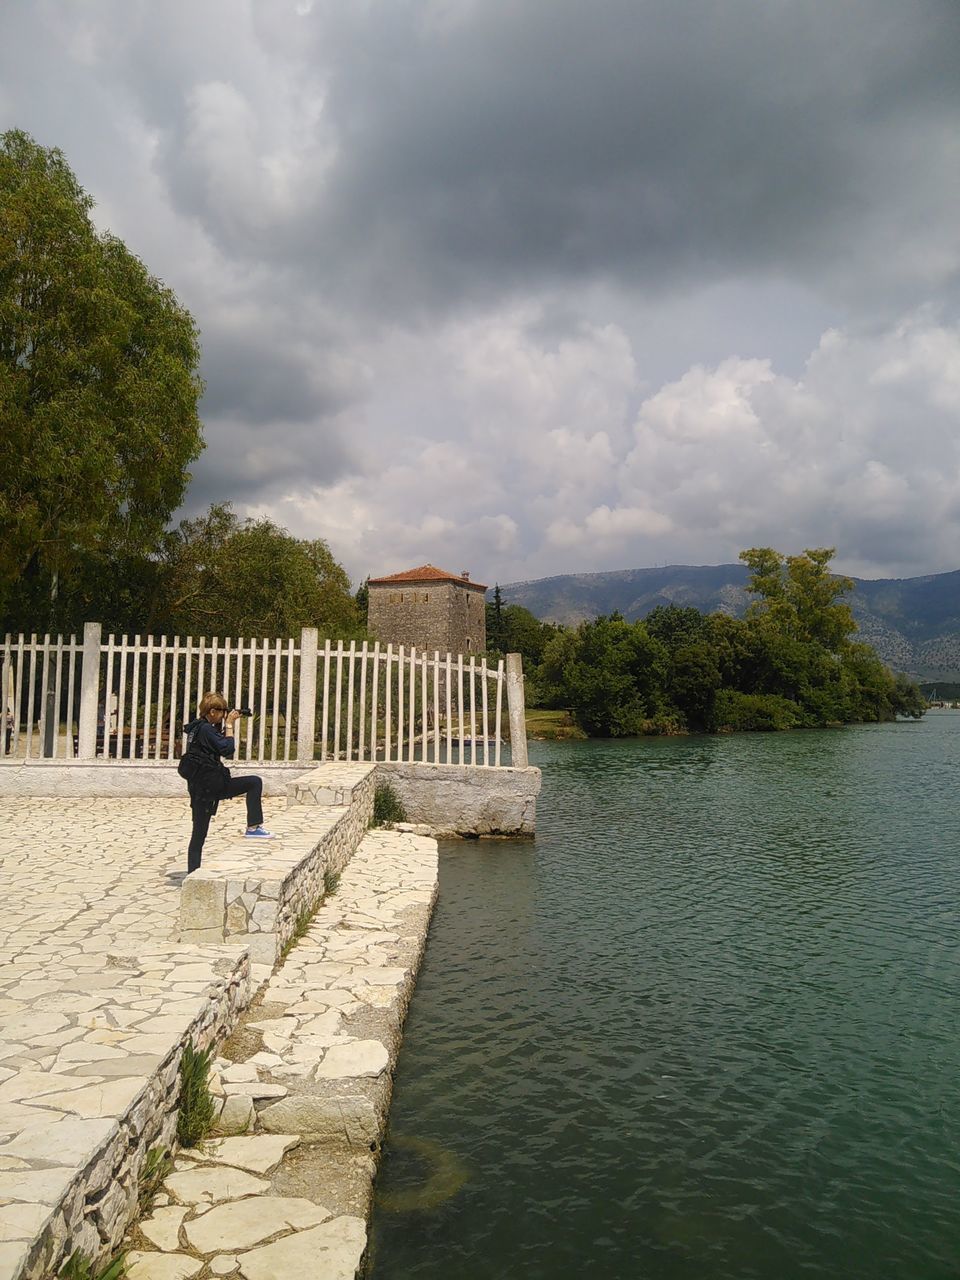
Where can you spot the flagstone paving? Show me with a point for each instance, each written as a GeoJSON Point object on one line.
{"type": "Point", "coordinates": [94, 993]}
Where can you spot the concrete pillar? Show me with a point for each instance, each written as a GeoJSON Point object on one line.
{"type": "Point", "coordinates": [89, 691]}
{"type": "Point", "coordinates": [518, 726]}
{"type": "Point", "coordinates": [307, 712]}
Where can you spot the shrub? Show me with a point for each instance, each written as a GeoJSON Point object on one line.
{"type": "Point", "coordinates": [387, 807]}
{"type": "Point", "coordinates": [764, 711]}
{"type": "Point", "coordinates": [195, 1116]}
{"type": "Point", "coordinates": [156, 1167]}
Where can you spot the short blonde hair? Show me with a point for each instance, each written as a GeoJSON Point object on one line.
{"type": "Point", "coordinates": [211, 702]}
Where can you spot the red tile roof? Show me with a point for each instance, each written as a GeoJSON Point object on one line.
{"type": "Point", "coordinates": [426, 573]}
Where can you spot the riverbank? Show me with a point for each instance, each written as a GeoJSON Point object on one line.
{"type": "Point", "coordinates": [306, 1079]}
{"type": "Point", "coordinates": [559, 726]}
{"type": "Point", "coordinates": [117, 965]}
{"type": "Point", "coordinates": [552, 726]}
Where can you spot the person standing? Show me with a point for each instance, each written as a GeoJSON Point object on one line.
{"type": "Point", "coordinates": [210, 741]}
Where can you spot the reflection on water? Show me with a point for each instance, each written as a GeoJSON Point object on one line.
{"type": "Point", "coordinates": [704, 1028]}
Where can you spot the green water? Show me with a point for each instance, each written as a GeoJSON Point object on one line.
{"type": "Point", "coordinates": [705, 1028]}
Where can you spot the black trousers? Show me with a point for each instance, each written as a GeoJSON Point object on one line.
{"type": "Point", "coordinates": [251, 787]}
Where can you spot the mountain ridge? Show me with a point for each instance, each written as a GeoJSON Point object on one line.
{"type": "Point", "coordinates": [913, 623]}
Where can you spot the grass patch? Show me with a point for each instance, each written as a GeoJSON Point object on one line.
{"type": "Point", "coordinates": [79, 1267]}
{"type": "Point", "coordinates": [301, 925]}
{"type": "Point", "coordinates": [387, 807]}
{"type": "Point", "coordinates": [195, 1116]}
{"type": "Point", "coordinates": [552, 726]}
{"type": "Point", "coordinates": [331, 881]}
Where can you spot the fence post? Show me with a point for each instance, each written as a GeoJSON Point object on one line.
{"type": "Point", "coordinates": [89, 692]}
{"type": "Point", "coordinates": [50, 711]}
{"type": "Point", "coordinates": [307, 712]}
{"type": "Point", "coordinates": [518, 726]}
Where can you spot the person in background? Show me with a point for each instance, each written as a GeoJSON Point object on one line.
{"type": "Point", "coordinates": [210, 738]}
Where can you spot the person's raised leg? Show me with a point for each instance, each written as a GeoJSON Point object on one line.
{"type": "Point", "coordinates": [252, 788]}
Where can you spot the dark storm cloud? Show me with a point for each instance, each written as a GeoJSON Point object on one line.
{"type": "Point", "coordinates": [542, 286]}
{"type": "Point", "coordinates": [246, 378]}
{"type": "Point", "coordinates": [466, 150]}
{"type": "Point", "coordinates": [256, 377]}
{"type": "Point", "coordinates": [254, 464]}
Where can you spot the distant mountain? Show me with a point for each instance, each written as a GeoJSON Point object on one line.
{"type": "Point", "coordinates": [913, 623]}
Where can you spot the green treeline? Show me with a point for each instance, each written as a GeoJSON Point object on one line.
{"type": "Point", "coordinates": [791, 661]}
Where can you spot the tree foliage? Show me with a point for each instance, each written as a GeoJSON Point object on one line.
{"type": "Point", "coordinates": [791, 661]}
{"type": "Point", "coordinates": [98, 379]}
{"type": "Point", "coordinates": [223, 576]}
{"type": "Point", "coordinates": [213, 575]}
{"type": "Point", "coordinates": [513, 629]}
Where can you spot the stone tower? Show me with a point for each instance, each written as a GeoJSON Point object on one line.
{"type": "Point", "coordinates": [429, 608]}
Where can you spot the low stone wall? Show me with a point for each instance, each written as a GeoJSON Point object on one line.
{"type": "Point", "coordinates": [90, 1209]}
{"type": "Point", "coordinates": [255, 894]}
{"type": "Point", "coordinates": [108, 778]}
{"type": "Point", "coordinates": [462, 800]}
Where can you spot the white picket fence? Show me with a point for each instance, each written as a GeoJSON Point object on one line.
{"type": "Point", "coordinates": [129, 697]}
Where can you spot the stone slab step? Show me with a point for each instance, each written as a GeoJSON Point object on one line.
{"type": "Point", "coordinates": [333, 783]}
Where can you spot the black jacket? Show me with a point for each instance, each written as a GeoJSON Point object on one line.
{"type": "Point", "coordinates": [211, 742]}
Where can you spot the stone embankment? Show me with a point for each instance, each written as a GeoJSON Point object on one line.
{"type": "Point", "coordinates": [306, 1081]}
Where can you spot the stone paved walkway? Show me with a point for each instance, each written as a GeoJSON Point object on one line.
{"type": "Point", "coordinates": [79, 874]}
{"type": "Point", "coordinates": [94, 994]}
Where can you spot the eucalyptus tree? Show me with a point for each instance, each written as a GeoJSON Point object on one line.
{"type": "Point", "coordinates": [98, 380]}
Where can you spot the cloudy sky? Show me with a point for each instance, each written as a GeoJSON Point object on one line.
{"type": "Point", "coordinates": [542, 286]}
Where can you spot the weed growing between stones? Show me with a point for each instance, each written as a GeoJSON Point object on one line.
{"type": "Point", "coordinates": [331, 880]}
{"type": "Point", "coordinates": [387, 807]}
{"type": "Point", "coordinates": [79, 1267]}
{"type": "Point", "coordinates": [301, 925]}
{"type": "Point", "coordinates": [156, 1167]}
{"type": "Point", "coordinates": [195, 1117]}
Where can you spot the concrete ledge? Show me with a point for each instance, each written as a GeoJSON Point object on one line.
{"type": "Point", "coordinates": [466, 800]}
{"type": "Point", "coordinates": [123, 777]}
{"type": "Point", "coordinates": [81, 1120]}
{"type": "Point", "coordinates": [254, 892]}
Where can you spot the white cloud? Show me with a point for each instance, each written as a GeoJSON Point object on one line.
{"type": "Point", "coordinates": [860, 451]}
